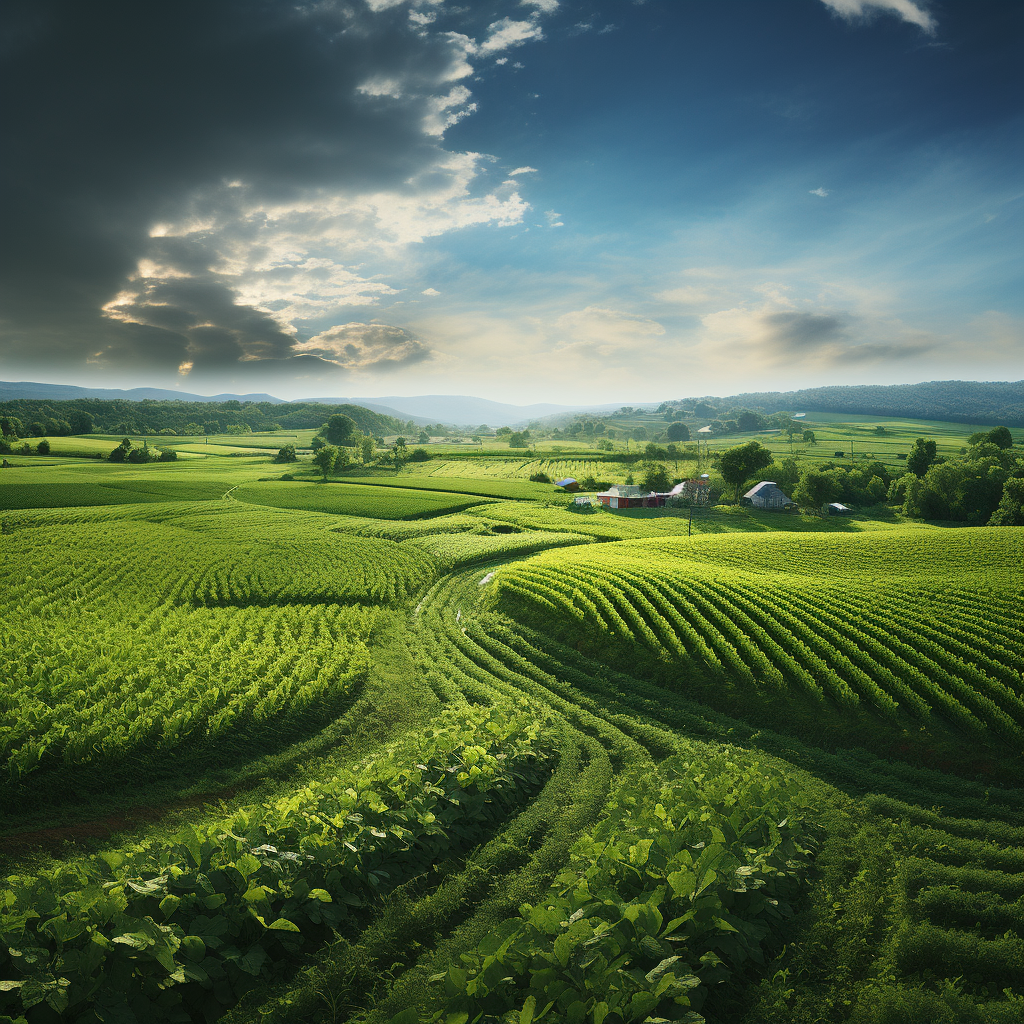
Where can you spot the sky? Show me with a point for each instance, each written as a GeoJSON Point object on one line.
{"type": "Point", "coordinates": [573, 201]}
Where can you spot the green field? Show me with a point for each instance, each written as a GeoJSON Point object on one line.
{"type": "Point", "coordinates": [353, 499]}
{"type": "Point", "coordinates": [438, 744]}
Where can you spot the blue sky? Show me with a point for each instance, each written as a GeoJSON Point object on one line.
{"type": "Point", "coordinates": [541, 200]}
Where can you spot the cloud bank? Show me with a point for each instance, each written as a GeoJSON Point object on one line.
{"type": "Point", "coordinates": [212, 177]}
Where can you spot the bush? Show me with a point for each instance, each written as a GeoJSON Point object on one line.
{"type": "Point", "coordinates": [43, 448]}
{"type": "Point", "coordinates": [286, 454]}
{"type": "Point", "coordinates": [168, 455]}
{"type": "Point", "coordinates": [540, 478]}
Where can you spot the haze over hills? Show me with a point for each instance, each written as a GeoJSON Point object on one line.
{"type": "Point", "coordinates": [12, 390]}
{"type": "Point", "coordinates": [956, 400]}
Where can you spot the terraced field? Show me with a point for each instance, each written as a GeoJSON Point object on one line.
{"type": "Point", "coordinates": [384, 762]}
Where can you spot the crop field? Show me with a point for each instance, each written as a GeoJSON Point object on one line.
{"type": "Point", "coordinates": [743, 620]}
{"type": "Point", "coordinates": [439, 746]}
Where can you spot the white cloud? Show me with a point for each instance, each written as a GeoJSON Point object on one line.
{"type": "Point", "coordinates": [554, 219]}
{"type": "Point", "coordinates": [544, 6]}
{"type": "Point", "coordinates": [819, 192]}
{"type": "Point", "coordinates": [506, 33]}
{"type": "Point", "coordinates": [430, 291]}
{"type": "Point", "coordinates": [522, 170]}
{"type": "Point", "coordinates": [908, 10]}
{"type": "Point", "coordinates": [599, 331]}
{"type": "Point", "coordinates": [689, 295]}
{"type": "Point", "coordinates": [501, 60]}
{"type": "Point", "coordinates": [372, 347]}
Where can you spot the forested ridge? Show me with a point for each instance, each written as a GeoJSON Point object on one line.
{"type": "Point", "coordinates": [121, 416]}
{"type": "Point", "coordinates": [958, 401]}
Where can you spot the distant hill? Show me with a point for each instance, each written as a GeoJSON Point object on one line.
{"type": "Point", "coordinates": [11, 390]}
{"type": "Point", "coordinates": [56, 416]}
{"type": "Point", "coordinates": [958, 401]}
{"type": "Point", "coordinates": [463, 410]}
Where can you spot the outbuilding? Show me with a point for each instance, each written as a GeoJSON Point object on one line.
{"type": "Point", "coordinates": [568, 484]}
{"type": "Point", "coordinates": [767, 494]}
{"type": "Point", "coordinates": [837, 508]}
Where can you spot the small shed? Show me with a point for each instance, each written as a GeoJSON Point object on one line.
{"type": "Point", "coordinates": [767, 494]}
{"type": "Point", "coordinates": [582, 499]}
{"type": "Point", "coordinates": [837, 508]}
{"type": "Point", "coordinates": [568, 484]}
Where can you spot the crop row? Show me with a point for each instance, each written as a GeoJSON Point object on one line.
{"type": "Point", "coordinates": [874, 649]}
{"type": "Point", "coordinates": [179, 926]}
{"type": "Point", "coordinates": [682, 883]}
{"type": "Point", "coordinates": [127, 638]}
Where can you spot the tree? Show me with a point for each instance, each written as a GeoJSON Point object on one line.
{"type": "Point", "coordinates": [168, 455]}
{"type": "Point", "coordinates": [11, 426]}
{"type": "Point", "coordinates": [519, 439]}
{"type": "Point", "coordinates": [1010, 511]}
{"type": "Point", "coordinates": [120, 453]}
{"type": "Point", "coordinates": [325, 459]}
{"type": "Point", "coordinates": [739, 464]}
{"type": "Point", "coordinates": [787, 476]}
{"type": "Point", "coordinates": [1001, 437]}
{"type": "Point", "coordinates": [640, 434]}
{"type": "Point", "coordinates": [286, 454]}
{"type": "Point", "coordinates": [750, 421]}
{"type": "Point", "coordinates": [809, 437]}
{"type": "Point", "coordinates": [921, 456]}
{"type": "Point", "coordinates": [678, 432]}
{"type": "Point", "coordinates": [366, 446]}
{"type": "Point", "coordinates": [43, 448]}
{"type": "Point", "coordinates": [655, 477]}
{"type": "Point", "coordinates": [817, 488]}
{"type": "Point", "coordinates": [317, 443]}
{"type": "Point", "coordinates": [81, 421]}
{"type": "Point", "coordinates": [400, 445]}
{"type": "Point", "coordinates": [141, 455]}
{"type": "Point", "coordinates": [338, 429]}
{"type": "Point", "coordinates": [424, 437]}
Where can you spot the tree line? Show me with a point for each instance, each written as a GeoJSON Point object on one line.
{"type": "Point", "coordinates": [22, 418]}
{"type": "Point", "coordinates": [984, 484]}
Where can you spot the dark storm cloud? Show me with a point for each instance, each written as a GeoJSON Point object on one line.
{"type": "Point", "coordinates": [118, 116]}
{"type": "Point", "coordinates": [797, 332]}
{"type": "Point", "coordinates": [839, 338]}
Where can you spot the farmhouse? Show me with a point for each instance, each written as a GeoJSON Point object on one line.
{"type": "Point", "coordinates": [767, 494]}
{"type": "Point", "coordinates": [622, 496]}
{"type": "Point", "coordinates": [629, 496]}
